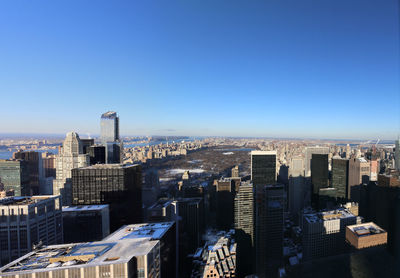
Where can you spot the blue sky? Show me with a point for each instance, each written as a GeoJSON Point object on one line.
{"type": "Point", "coordinates": [323, 69]}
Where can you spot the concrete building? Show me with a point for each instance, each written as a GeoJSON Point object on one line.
{"type": "Point", "coordinates": [309, 151]}
{"type": "Point", "coordinates": [263, 168]}
{"type": "Point", "coordinates": [270, 205]}
{"type": "Point", "coordinates": [217, 258]}
{"type": "Point", "coordinates": [118, 185]}
{"type": "Point", "coordinates": [365, 235]}
{"type": "Point", "coordinates": [85, 223]}
{"type": "Point", "coordinates": [70, 156]}
{"type": "Point", "coordinates": [114, 259]}
{"type": "Point", "coordinates": [324, 232]}
{"type": "Point", "coordinates": [162, 232]}
{"type": "Point", "coordinates": [14, 175]}
{"type": "Point", "coordinates": [235, 172]}
{"type": "Point", "coordinates": [25, 221]}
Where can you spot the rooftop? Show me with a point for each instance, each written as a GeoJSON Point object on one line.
{"type": "Point", "coordinates": [366, 229]}
{"type": "Point", "coordinates": [263, 152]}
{"type": "Point", "coordinates": [78, 254]}
{"type": "Point", "coordinates": [110, 166]}
{"type": "Point", "coordinates": [109, 115]}
{"type": "Point", "coordinates": [149, 231]}
{"type": "Point", "coordinates": [161, 203]}
{"type": "Point", "coordinates": [25, 200]}
{"type": "Point", "coordinates": [322, 216]}
{"type": "Point", "coordinates": [84, 208]}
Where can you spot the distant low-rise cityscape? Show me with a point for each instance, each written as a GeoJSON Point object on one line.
{"type": "Point", "coordinates": [194, 207]}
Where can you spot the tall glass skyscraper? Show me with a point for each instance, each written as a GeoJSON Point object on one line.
{"type": "Point", "coordinates": [109, 136]}
{"type": "Point", "coordinates": [109, 127]}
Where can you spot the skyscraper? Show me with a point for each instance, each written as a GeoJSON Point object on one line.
{"type": "Point", "coordinates": [340, 178]}
{"type": "Point", "coordinates": [308, 155]}
{"type": "Point", "coordinates": [35, 168]}
{"type": "Point", "coordinates": [14, 175]}
{"type": "Point", "coordinates": [225, 191]}
{"type": "Point", "coordinates": [319, 172]}
{"type": "Point", "coordinates": [244, 228]}
{"type": "Point", "coordinates": [263, 168]}
{"type": "Point", "coordinates": [269, 215]}
{"type": "Point", "coordinates": [297, 186]}
{"type": "Point", "coordinates": [71, 156]}
{"type": "Point", "coordinates": [109, 136]}
{"type": "Point", "coordinates": [118, 185]}
{"type": "Point", "coordinates": [397, 154]}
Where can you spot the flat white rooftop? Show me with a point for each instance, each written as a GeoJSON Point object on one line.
{"type": "Point", "coordinates": [77, 255]}
{"type": "Point", "coordinates": [149, 231]}
{"type": "Point", "coordinates": [84, 208]}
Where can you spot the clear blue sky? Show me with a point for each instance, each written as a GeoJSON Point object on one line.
{"type": "Point", "coordinates": [321, 68]}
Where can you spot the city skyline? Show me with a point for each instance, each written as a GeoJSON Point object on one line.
{"type": "Point", "coordinates": [304, 70]}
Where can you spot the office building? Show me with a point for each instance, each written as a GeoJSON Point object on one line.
{"type": "Point", "coordinates": [86, 143]}
{"type": "Point", "coordinates": [122, 258]}
{"type": "Point", "coordinates": [235, 172]}
{"type": "Point", "coordinates": [263, 168]}
{"type": "Point", "coordinates": [359, 171]}
{"type": "Point", "coordinates": [70, 156]}
{"type": "Point", "coordinates": [225, 193]}
{"type": "Point", "coordinates": [365, 235]}
{"type": "Point", "coordinates": [244, 228]}
{"type": "Point", "coordinates": [324, 232]}
{"type": "Point", "coordinates": [35, 168]}
{"type": "Point", "coordinates": [270, 205]}
{"type": "Point", "coordinates": [340, 178]}
{"type": "Point", "coordinates": [97, 154]}
{"type": "Point", "coordinates": [383, 199]}
{"type": "Point", "coordinates": [308, 156]}
{"type": "Point", "coordinates": [28, 221]}
{"type": "Point", "coordinates": [49, 165]}
{"type": "Point", "coordinates": [217, 258]}
{"type": "Point", "coordinates": [5, 193]}
{"type": "Point", "coordinates": [118, 185]}
{"type": "Point", "coordinates": [85, 223]}
{"type": "Point", "coordinates": [109, 136]}
{"type": "Point", "coordinates": [397, 154]}
{"type": "Point", "coordinates": [14, 175]}
{"type": "Point", "coordinates": [162, 232]}
{"type": "Point", "coordinates": [374, 167]}
{"type": "Point", "coordinates": [297, 186]}
{"type": "Point", "coordinates": [319, 172]}
{"type": "Point", "coordinates": [162, 210]}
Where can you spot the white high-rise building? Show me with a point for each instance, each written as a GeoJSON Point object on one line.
{"type": "Point", "coordinates": [71, 156]}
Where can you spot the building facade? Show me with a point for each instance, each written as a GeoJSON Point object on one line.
{"type": "Point", "coordinates": [85, 223]}
{"type": "Point", "coordinates": [70, 156]}
{"type": "Point", "coordinates": [118, 185]}
{"type": "Point", "coordinates": [27, 221]}
{"type": "Point", "coordinates": [270, 205]}
{"type": "Point", "coordinates": [263, 168]}
{"type": "Point", "coordinates": [14, 175]}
